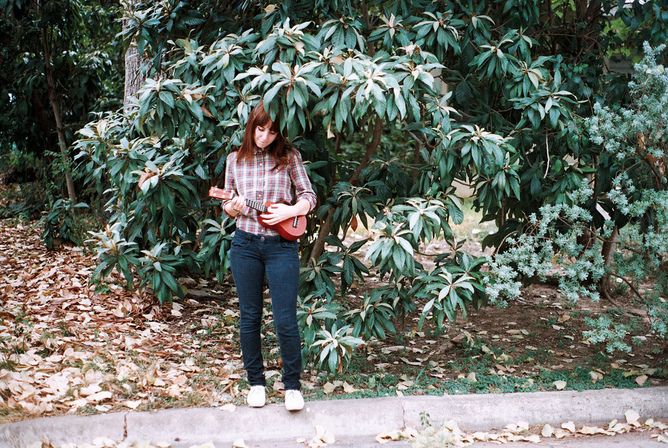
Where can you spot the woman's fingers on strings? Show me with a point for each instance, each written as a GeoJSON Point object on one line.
{"type": "Point", "coordinates": [238, 203]}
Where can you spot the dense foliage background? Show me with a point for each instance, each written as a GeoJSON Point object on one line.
{"type": "Point", "coordinates": [392, 104]}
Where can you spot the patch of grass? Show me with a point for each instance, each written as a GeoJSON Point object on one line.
{"type": "Point", "coordinates": [7, 364]}
{"type": "Point", "coordinates": [102, 287]}
{"type": "Point", "coordinates": [487, 383]}
{"type": "Point", "coordinates": [529, 356]}
{"type": "Point", "coordinates": [386, 385]}
{"type": "Point", "coordinates": [600, 360]}
{"type": "Point", "coordinates": [89, 409]}
{"type": "Point", "coordinates": [579, 379]}
{"type": "Point", "coordinates": [185, 400]}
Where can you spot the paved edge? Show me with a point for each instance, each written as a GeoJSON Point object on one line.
{"type": "Point", "coordinates": [350, 417]}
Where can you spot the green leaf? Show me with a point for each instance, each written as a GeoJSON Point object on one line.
{"type": "Point", "coordinates": [167, 98]}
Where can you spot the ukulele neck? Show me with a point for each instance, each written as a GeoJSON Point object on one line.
{"type": "Point", "coordinates": [256, 205]}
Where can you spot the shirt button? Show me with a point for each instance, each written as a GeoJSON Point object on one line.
{"type": "Point", "coordinates": [259, 195]}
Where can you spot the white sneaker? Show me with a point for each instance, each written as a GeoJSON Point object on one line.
{"type": "Point", "coordinates": [256, 397]}
{"type": "Point", "coordinates": [294, 400]}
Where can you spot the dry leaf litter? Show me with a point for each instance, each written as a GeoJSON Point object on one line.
{"type": "Point", "coordinates": [67, 349]}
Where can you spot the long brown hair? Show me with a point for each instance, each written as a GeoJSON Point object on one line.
{"type": "Point", "coordinates": [279, 148]}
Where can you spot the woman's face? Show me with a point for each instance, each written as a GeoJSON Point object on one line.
{"type": "Point", "coordinates": [264, 136]}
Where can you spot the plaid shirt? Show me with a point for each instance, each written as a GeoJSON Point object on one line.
{"type": "Point", "coordinates": [254, 179]}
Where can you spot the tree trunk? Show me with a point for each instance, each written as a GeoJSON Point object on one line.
{"type": "Point", "coordinates": [370, 149]}
{"type": "Point", "coordinates": [326, 227]}
{"type": "Point", "coordinates": [607, 251]}
{"type": "Point", "coordinates": [55, 105]}
{"type": "Point", "coordinates": [134, 77]}
{"type": "Point", "coordinates": [42, 118]}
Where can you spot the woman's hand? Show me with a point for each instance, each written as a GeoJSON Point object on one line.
{"type": "Point", "coordinates": [234, 206]}
{"type": "Point", "coordinates": [279, 212]}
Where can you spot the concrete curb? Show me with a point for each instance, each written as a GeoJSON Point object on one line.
{"type": "Point", "coordinates": [350, 418]}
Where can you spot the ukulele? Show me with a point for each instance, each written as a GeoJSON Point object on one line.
{"type": "Point", "coordinates": [290, 229]}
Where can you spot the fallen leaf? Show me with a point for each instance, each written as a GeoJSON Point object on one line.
{"type": "Point", "coordinates": [632, 417]}
{"type": "Point", "coordinates": [348, 388]}
{"type": "Point", "coordinates": [641, 380]}
{"type": "Point", "coordinates": [655, 425]}
{"type": "Point", "coordinates": [595, 376]}
{"type": "Point", "coordinates": [328, 388]}
{"type": "Point", "coordinates": [570, 426]}
{"type": "Point", "coordinates": [387, 437]}
{"type": "Point", "coordinates": [239, 443]}
{"type": "Point", "coordinates": [324, 434]}
{"type": "Point", "coordinates": [547, 431]}
{"type": "Point", "coordinates": [617, 427]}
{"type": "Point", "coordinates": [90, 390]}
{"type": "Point", "coordinates": [100, 396]}
{"type": "Point", "coordinates": [517, 427]}
{"type": "Point", "coordinates": [411, 363]}
{"type": "Point", "coordinates": [560, 433]}
{"type": "Point", "coordinates": [229, 407]}
{"type": "Point", "coordinates": [560, 385]}
{"type": "Point", "coordinates": [481, 436]}
{"type": "Point", "coordinates": [132, 404]}
{"type": "Point", "coordinates": [103, 442]}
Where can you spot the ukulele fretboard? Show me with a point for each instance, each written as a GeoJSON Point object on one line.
{"type": "Point", "coordinates": [256, 205]}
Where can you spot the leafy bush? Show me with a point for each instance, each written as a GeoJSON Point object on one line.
{"type": "Point", "coordinates": [336, 347]}
{"type": "Point", "coordinates": [456, 282]}
{"type": "Point", "coordinates": [630, 192]}
{"type": "Point", "coordinates": [314, 314]}
{"type": "Point", "coordinates": [374, 318]}
{"type": "Point", "coordinates": [24, 201]}
{"type": "Point", "coordinates": [113, 251]}
{"type": "Point", "coordinates": [18, 166]}
{"type": "Point", "coordinates": [62, 224]}
{"type": "Point", "coordinates": [363, 97]}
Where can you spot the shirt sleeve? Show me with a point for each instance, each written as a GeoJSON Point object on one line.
{"type": "Point", "coordinates": [300, 180]}
{"type": "Point", "coordinates": [230, 182]}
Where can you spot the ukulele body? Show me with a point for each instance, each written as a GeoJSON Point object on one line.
{"type": "Point", "coordinates": [290, 229]}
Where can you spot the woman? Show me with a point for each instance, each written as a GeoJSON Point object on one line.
{"type": "Point", "coordinates": [267, 169]}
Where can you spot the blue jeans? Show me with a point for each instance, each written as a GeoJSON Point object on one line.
{"type": "Point", "coordinates": [252, 258]}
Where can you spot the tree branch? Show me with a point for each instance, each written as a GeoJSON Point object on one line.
{"type": "Point", "coordinates": [326, 227]}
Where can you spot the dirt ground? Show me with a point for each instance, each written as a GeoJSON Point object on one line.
{"type": "Point", "coordinates": [70, 347]}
